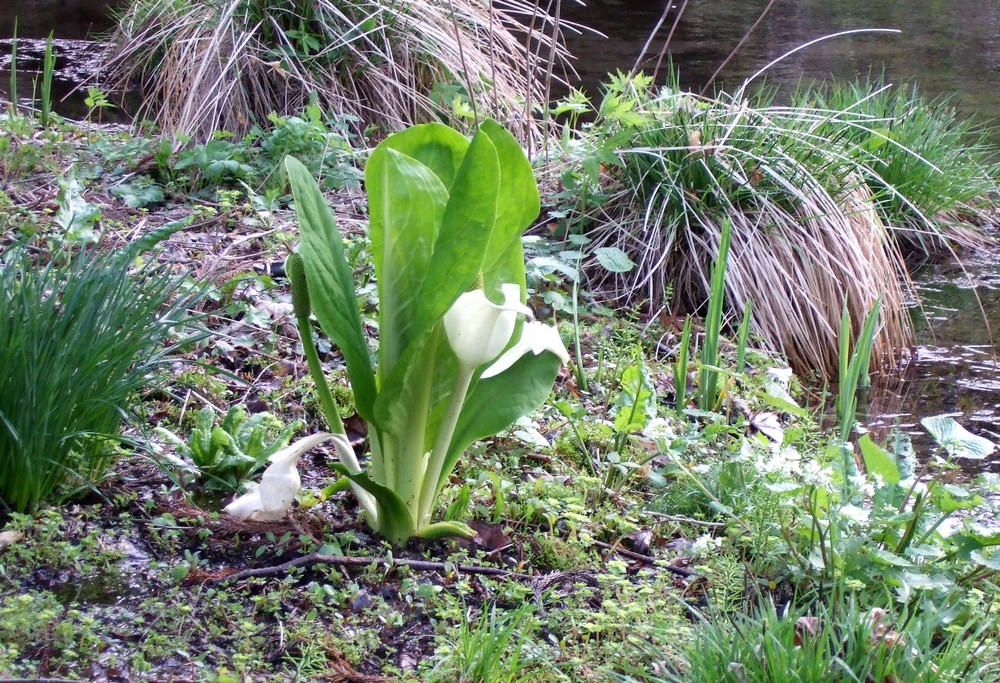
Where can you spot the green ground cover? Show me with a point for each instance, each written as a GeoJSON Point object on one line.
{"type": "Point", "coordinates": [675, 510]}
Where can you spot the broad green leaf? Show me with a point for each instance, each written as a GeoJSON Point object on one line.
{"type": "Point", "coordinates": [956, 439]}
{"type": "Point", "coordinates": [406, 202]}
{"type": "Point", "coordinates": [466, 229]}
{"type": "Point", "coordinates": [434, 145]}
{"type": "Point", "coordinates": [989, 559]}
{"type": "Point", "coordinates": [636, 404]}
{"type": "Point", "coordinates": [917, 581]}
{"type": "Point", "coordinates": [950, 498]}
{"type": "Point", "coordinates": [614, 260]}
{"type": "Point", "coordinates": [331, 284]}
{"type": "Point", "coordinates": [878, 461]}
{"type": "Point", "coordinates": [891, 559]}
{"type": "Point", "coordinates": [784, 487]}
{"type": "Point", "coordinates": [496, 403]}
{"type": "Point", "coordinates": [518, 205]}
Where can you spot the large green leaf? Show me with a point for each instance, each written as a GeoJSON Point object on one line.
{"type": "Point", "coordinates": [435, 145]}
{"type": "Point", "coordinates": [517, 207]}
{"type": "Point", "coordinates": [517, 203]}
{"type": "Point", "coordinates": [466, 229]}
{"type": "Point", "coordinates": [331, 284]}
{"type": "Point", "coordinates": [406, 201]}
{"type": "Point", "coordinates": [878, 461]}
{"type": "Point", "coordinates": [495, 403]}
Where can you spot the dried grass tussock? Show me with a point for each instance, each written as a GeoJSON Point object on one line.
{"type": "Point", "coordinates": [807, 234]}
{"type": "Point", "coordinates": [208, 66]}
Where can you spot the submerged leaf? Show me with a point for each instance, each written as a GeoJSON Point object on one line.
{"type": "Point", "coordinates": [956, 439]}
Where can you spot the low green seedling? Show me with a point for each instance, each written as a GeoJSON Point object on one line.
{"type": "Point", "coordinates": [228, 455]}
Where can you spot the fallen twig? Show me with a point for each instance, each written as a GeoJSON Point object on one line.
{"type": "Point", "coordinates": [644, 558]}
{"type": "Point", "coordinates": [340, 561]}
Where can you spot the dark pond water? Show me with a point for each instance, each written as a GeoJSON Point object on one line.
{"type": "Point", "coordinates": [944, 46]}
{"type": "Point", "coordinates": [75, 25]}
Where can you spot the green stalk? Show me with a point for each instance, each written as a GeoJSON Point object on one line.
{"type": "Point", "coordinates": [432, 474]}
{"type": "Point", "coordinates": [410, 459]}
{"type": "Point", "coordinates": [581, 374]}
{"type": "Point", "coordinates": [680, 367]}
{"type": "Point", "coordinates": [741, 337]}
{"type": "Point", "coordinates": [48, 66]}
{"type": "Point", "coordinates": [708, 388]}
{"type": "Point", "coordinates": [302, 308]}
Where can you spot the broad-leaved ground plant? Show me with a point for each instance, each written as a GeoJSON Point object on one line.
{"type": "Point", "coordinates": [447, 214]}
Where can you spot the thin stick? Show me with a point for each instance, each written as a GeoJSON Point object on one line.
{"type": "Point", "coordinates": [644, 558]}
{"type": "Point", "coordinates": [336, 560]}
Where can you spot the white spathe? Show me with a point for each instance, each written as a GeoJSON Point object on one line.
{"type": "Point", "coordinates": [478, 329]}
{"type": "Point", "coordinates": [535, 337]}
{"type": "Point", "coordinates": [270, 500]}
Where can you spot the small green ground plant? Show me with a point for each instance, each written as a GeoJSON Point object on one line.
{"type": "Point", "coordinates": [488, 650]}
{"type": "Point", "coordinates": [83, 335]}
{"type": "Point", "coordinates": [227, 455]}
{"type": "Point", "coordinates": [830, 643]}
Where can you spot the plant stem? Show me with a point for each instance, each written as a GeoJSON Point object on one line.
{"type": "Point", "coordinates": [319, 377]}
{"type": "Point", "coordinates": [581, 374]}
{"type": "Point", "coordinates": [432, 474]}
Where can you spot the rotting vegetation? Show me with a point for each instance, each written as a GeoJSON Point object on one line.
{"type": "Point", "coordinates": [673, 512]}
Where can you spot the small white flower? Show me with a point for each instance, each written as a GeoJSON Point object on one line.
{"type": "Point", "coordinates": [705, 545]}
{"type": "Point", "coordinates": [659, 430]}
{"type": "Point", "coordinates": [814, 473]}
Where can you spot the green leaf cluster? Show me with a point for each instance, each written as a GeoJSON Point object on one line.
{"type": "Point", "coordinates": [228, 454]}
{"type": "Point", "coordinates": [447, 214]}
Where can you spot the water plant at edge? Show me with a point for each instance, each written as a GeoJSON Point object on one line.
{"type": "Point", "coordinates": [447, 214]}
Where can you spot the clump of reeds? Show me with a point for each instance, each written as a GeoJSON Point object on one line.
{"type": "Point", "coordinates": [210, 65]}
{"type": "Point", "coordinates": [933, 173]}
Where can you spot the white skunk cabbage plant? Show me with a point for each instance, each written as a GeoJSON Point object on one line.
{"type": "Point", "coordinates": [456, 361]}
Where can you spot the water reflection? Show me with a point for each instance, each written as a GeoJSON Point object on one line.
{"type": "Point", "coordinates": [946, 46]}
{"type": "Point", "coordinates": [76, 25]}
{"type": "Point", "coordinates": [69, 19]}
{"type": "Point", "coordinates": [955, 371]}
